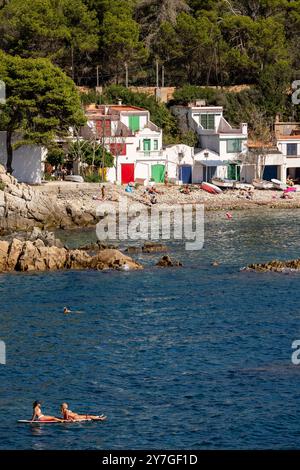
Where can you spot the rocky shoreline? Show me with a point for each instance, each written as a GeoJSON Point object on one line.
{"type": "Point", "coordinates": [71, 205]}
{"type": "Point", "coordinates": [40, 250]}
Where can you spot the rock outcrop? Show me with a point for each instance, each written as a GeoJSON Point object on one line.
{"type": "Point", "coordinates": [275, 266]}
{"type": "Point", "coordinates": [167, 262]}
{"type": "Point", "coordinates": [22, 208]}
{"type": "Point", "coordinates": [28, 256]}
{"type": "Point", "coordinates": [152, 247]}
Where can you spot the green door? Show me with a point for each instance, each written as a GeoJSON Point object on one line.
{"type": "Point", "coordinates": [158, 173]}
{"type": "Point", "coordinates": [134, 123]}
{"type": "Point", "coordinates": [234, 172]}
{"type": "Point", "coordinates": [147, 145]}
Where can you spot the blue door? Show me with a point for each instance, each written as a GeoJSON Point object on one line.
{"type": "Point", "coordinates": [270, 172]}
{"type": "Point", "coordinates": [185, 174]}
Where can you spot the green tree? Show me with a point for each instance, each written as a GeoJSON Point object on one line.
{"type": "Point", "coordinates": [120, 42]}
{"type": "Point", "coordinates": [91, 153]}
{"type": "Point", "coordinates": [42, 103]}
{"type": "Point", "coordinates": [64, 31]}
{"type": "Point", "coordinates": [152, 13]}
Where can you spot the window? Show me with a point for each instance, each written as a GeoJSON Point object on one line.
{"type": "Point", "coordinates": [207, 121]}
{"type": "Point", "coordinates": [134, 123]}
{"type": "Point", "coordinates": [234, 145]}
{"type": "Point", "coordinates": [147, 145]}
{"type": "Point", "coordinates": [291, 149]}
{"type": "Point", "coordinates": [155, 147]}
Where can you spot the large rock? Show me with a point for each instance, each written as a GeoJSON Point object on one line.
{"type": "Point", "coordinates": [152, 247]}
{"type": "Point", "coordinates": [78, 259]}
{"type": "Point", "coordinates": [4, 247]}
{"type": "Point", "coordinates": [167, 262]}
{"type": "Point", "coordinates": [48, 238]}
{"type": "Point", "coordinates": [26, 256]}
{"type": "Point", "coordinates": [275, 265]}
{"type": "Point", "coordinates": [114, 259]}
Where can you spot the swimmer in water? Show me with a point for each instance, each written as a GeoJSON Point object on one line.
{"type": "Point", "coordinates": [67, 310]}
{"type": "Point", "coordinates": [68, 415]}
{"type": "Point", "coordinates": [37, 414]}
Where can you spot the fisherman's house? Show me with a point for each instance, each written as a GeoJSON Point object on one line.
{"type": "Point", "coordinates": [220, 145]}
{"type": "Point", "coordinates": [28, 160]}
{"type": "Point", "coordinates": [136, 142]}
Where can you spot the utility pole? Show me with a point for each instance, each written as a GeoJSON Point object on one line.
{"type": "Point", "coordinates": [97, 76]}
{"type": "Point", "coordinates": [103, 146]}
{"type": "Point", "coordinates": [72, 60]}
{"type": "Point", "coordinates": [126, 74]}
{"type": "Point", "coordinates": [157, 74]}
{"type": "Point", "coordinates": [163, 76]}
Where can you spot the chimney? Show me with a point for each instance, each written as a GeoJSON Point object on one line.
{"type": "Point", "coordinates": [244, 128]}
{"type": "Point", "coordinates": [119, 102]}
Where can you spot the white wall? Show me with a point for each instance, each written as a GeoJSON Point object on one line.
{"type": "Point", "coordinates": [27, 161]}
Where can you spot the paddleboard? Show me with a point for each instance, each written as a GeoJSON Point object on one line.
{"type": "Point", "coordinates": [26, 421]}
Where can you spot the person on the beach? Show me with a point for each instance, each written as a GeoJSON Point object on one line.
{"type": "Point", "coordinates": [250, 193]}
{"type": "Point", "coordinates": [67, 310]}
{"type": "Point", "coordinates": [37, 414]}
{"type": "Point", "coordinates": [68, 415]}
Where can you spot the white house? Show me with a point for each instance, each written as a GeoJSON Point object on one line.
{"type": "Point", "coordinates": [220, 144]}
{"type": "Point", "coordinates": [288, 142]}
{"type": "Point", "coordinates": [282, 158]}
{"type": "Point", "coordinates": [136, 143]}
{"type": "Point", "coordinates": [28, 161]}
{"type": "Point", "coordinates": [179, 163]}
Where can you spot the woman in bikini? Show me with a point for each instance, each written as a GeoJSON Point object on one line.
{"type": "Point", "coordinates": [37, 414]}
{"type": "Point", "coordinates": [68, 415]}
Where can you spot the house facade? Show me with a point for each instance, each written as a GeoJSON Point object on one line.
{"type": "Point", "coordinates": [288, 143]}
{"type": "Point", "coordinates": [28, 161]}
{"type": "Point", "coordinates": [136, 143]}
{"type": "Point", "coordinates": [220, 145]}
{"type": "Point", "coordinates": [131, 137]}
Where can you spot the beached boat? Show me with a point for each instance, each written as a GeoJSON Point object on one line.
{"type": "Point", "coordinates": [210, 188]}
{"type": "Point", "coordinates": [262, 184]}
{"type": "Point", "coordinates": [223, 182]}
{"type": "Point", "coordinates": [277, 184]}
{"type": "Point", "coordinates": [74, 178]}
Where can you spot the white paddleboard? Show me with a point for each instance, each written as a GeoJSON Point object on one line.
{"type": "Point", "coordinates": [26, 421]}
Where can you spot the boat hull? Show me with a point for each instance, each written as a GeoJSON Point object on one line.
{"type": "Point", "coordinates": [211, 188]}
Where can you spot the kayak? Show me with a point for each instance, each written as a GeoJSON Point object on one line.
{"type": "Point", "coordinates": [210, 188]}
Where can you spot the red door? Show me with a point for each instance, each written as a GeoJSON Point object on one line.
{"type": "Point", "coordinates": [127, 172]}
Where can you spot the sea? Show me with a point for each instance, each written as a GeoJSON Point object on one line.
{"type": "Point", "coordinates": [197, 357]}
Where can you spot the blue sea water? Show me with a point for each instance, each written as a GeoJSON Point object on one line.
{"type": "Point", "coordinates": [191, 358]}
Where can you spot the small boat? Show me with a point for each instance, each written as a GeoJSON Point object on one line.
{"type": "Point", "coordinates": [74, 178]}
{"type": "Point", "coordinates": [277, 184]}
{"type": "Point", "coordinates": [223, 182]}
{"type": "Point", "coordinates": [262, 184]}
{"type": "Point", "coordinates": [210, 188]}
